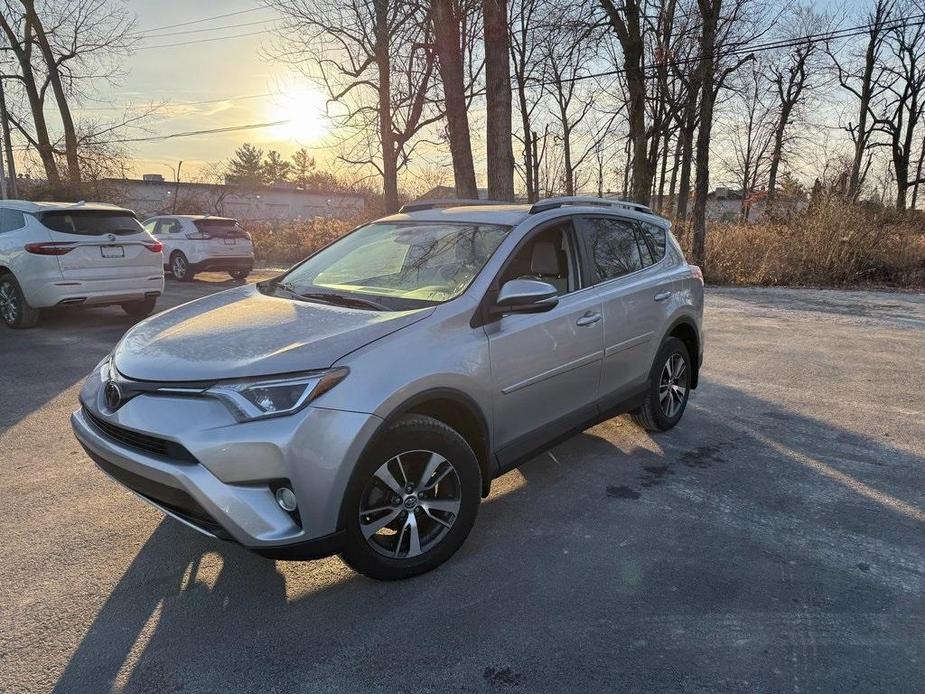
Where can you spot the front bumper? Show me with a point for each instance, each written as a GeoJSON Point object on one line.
{"type": "Point", "coordinates": [224, 487]}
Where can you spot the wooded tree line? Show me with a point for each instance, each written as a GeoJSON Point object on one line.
{"type": "Point", "coordinates": [649, 99]}
{"type": "Point", "coordinates": [54, 55]}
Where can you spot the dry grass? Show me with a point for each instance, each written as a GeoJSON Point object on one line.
{"type": "Point", "coordinates": [829, 245]}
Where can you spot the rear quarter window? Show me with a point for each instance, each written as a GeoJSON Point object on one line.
{"type": "Point", "coordinates": [655, 237]}
{"type": "Point", "coordinates": [92, 222]}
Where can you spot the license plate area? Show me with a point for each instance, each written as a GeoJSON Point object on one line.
{"type": "Point", "coordinates": [229, 242]}
{"type": "Point", "coordinates": [112, 251]}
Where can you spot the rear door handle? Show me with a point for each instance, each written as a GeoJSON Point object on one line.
{"type": "Point", "coordinates": [663, 296]}
{"type": "Point", "coordinates": [590, 318]}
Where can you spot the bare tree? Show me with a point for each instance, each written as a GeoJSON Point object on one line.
{"type": "Point", "coordinates": [903, 101]}
{"type": "Point", "coordinates": [448, 19]}
{"type": "Point", "coordinates": [376, 62]}
{"type": "Point", "coordinates": [526, 43]}
{"type": "Point", "coordinates": [791, 78]}
{"type": "Point", "coordinates": [863, 79]}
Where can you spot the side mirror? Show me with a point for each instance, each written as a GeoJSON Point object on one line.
{"type": "Point", "coordinates": [525, 296]}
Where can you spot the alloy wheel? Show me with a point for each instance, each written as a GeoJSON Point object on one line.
{"type": "Point", "coordinates": [673, 385]}
{"type": "Point", "coordinates": [179, 267]}
{"type": "Point", "coordinates": [409, 504]}
{"type": "Point", "coordinates": [9, 303]}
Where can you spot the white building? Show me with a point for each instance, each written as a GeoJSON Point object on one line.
{"type": "Point", "coordinates": [153, 195]}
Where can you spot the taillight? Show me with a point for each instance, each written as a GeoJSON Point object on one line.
{"type": "Point", "coordinates": [154, 246]}
{"type": "Point", "coordinates": [696, 272]}
{"type": "Point", "coordinates": [50, 248]}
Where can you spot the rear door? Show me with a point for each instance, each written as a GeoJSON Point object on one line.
{"type": "Point", "coordinates": [223, 238]}
{"type": "Point", "coordinates": [105, 244]}
{"type": "Point", "coordinates": [627, 276]}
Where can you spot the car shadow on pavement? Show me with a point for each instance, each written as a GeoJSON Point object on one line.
{"type": "Point", "coordinates": [755, 546]}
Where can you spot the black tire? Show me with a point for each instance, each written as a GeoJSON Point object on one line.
{"type": "Point", "coordinates": [652, 416]}
{"type": "Point", "coordinates": [410, 436]}
{"type": "Point", "coordinates": [179, 267]}
{"type": "Point", "coordinates": [240, 273]}
{"type": "Point", "coordinates": [15, 311]}
{"type": "Point", "coordinates": [140, 309]}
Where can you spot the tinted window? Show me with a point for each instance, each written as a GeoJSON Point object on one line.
{"type": "Point", "coordinates": [227, 228]}
{"type": "Point", "coordinates": [655, 237]}
{"type": "Point", "coordinates": [168, 226]}
{"type": "Point", "coordinates": [613, 247]}
{"type": "Point", "coordinates": [92, 222]}
{"type": "Point", "coordinates": [11, 220]}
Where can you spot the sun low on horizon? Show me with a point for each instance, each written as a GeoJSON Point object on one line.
{"type": "Point", "coordinates": [300, 107]}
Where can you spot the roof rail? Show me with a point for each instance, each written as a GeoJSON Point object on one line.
{"type": "Point", "coordinates": [419, 205]}
{"type": "Point", "coordinates": [553, 203]}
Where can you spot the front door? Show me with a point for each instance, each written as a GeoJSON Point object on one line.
{"type": "Point", "coordinates": [545, 366]}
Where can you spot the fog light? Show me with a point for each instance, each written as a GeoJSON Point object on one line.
{"type": "Point", "coordinates": [285, 497]}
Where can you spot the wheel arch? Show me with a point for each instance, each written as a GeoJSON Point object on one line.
{"type": "Point", "coordinates": [685, 329]}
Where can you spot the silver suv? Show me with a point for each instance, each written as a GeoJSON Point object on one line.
{"type": "Point", "coordinates": [363, 401]}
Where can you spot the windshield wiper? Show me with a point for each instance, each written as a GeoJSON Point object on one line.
{"type": "Point", "coordinates": [340, 299]}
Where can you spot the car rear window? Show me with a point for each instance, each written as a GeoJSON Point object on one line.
{"type": "Point", "coordinates": [227, 228]}
{"type": "Point", "coordinates": [92, 222]}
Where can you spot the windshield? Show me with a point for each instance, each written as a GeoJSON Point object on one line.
{"type": "Point", "coordinates": [402, 264]}
{"type": "Point", "coordinates": [92, 222]}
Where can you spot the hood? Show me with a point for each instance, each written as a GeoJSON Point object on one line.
{"type": "Point", "coordinates": [242, 333]}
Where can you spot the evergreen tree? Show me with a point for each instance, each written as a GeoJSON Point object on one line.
{"type": "Point", "coordinates": [303, 167]}
{"type": "Point", "coordinates": [247, 167]}
{"type": "Point", "coordinates": [276, 169]}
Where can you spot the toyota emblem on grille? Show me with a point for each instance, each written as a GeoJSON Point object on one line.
{"type": "Point", "coordinates": [113, 395]}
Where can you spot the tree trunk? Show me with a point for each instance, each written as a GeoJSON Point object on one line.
{"type": "Point", "coordinates": [709, 10]}
{"type": "Point", "coordinates": [499, 148]}
{"type": "Point", "coordinates": [776, 153]}
{"type": "Point", "coordinates": [386, 134]}
{"type": "Point", "coordinates": [684, 178]}
{"type": "Point", "coordinates": [448, 44]}
{"type": "Point", "coordinates": [8, 146]}
{"type": "Point", "coordinates": [528, 140]}
{"type": "Point", "coordinates": [54, 77]}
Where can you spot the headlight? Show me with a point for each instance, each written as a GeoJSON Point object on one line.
{"type": "Point", "coordinates": [250, 400]}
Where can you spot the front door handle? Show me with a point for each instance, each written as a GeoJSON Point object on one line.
{"type": "Point", "coordinates": [663, 296]}
{"type": "Point", "coordinates": [590, 318]}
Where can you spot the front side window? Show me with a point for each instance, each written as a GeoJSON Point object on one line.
{"type": "Point", "coordinates": [168, 226]}
{"type": "Point", "coordinates": [613, 247]}
{"type": "Point", "coordinates": [402, 265]}
{"type": "Point", "coordinates": [546, 256]}
{"type": "Point", "coordinates": [91, 222]}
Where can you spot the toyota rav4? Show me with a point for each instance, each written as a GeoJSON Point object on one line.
{"type": "Point", "coordinates": [362, 402]}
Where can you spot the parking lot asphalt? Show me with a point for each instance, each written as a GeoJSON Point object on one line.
{"type": "Point", "coordinates": [773, 541]}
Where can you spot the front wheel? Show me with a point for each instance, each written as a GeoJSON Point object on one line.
{"type": "Point", "coordinates": [412, 500]}
{"type": "Point", "coordinates": [140, 309]}
{"type": "Point", "coordinates": [15, 311]}
{"type": "Point", "coordinates": [669, 388]}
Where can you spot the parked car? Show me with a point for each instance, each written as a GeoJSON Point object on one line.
{"type": "Point", "coordinates": [363, 401]}
{"type": "Point", "coordinates": [197, 243]}
{"type": "Point", "coordinates": [62, 254]}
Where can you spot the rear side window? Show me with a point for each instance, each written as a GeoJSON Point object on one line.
{"type": "Point", "coordinates": [227, 228]}
{"type": "Point", "coordinates": [92, 222]}
{"type": "Point", "coordinates": [613, 247]}
{"type": "Point", "coordinates": [655, 237]}
{"type": "Point", "coordinates": [11, 220]}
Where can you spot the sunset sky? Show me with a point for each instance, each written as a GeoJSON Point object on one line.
{"type": "Point", "coordinates": [230, 73]}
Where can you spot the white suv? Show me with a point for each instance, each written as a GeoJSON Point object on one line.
{"type": "Point", "coordinates": [196, 243]}
{"type": "Point", "coordinates": [60, 253]}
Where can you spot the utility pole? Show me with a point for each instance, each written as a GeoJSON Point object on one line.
{"type": "Point", "coordinates": [7, 145]}
{"type": "Point", "coordinates": [176, 189]}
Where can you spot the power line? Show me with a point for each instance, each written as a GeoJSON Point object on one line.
{"type": "Point", "coordinates": [185, 103]}
{"type": "Point", "coordinates": [193, 133]}
{"type": "Point", "coordinates": [148, 35]}
{"type": "Point", "coordinates": [202, 19]}
{"type": "Point", "coordinates": [217, 38]}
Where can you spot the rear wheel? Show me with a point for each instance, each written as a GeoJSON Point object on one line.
{"type": "Point", "coordinates": [15, 311]}
{"type": "Point", "coordinates": [669, 388]}
{"type": "Point", "coordinates": [140, 309]}
{"type": "Point", "coordinates": [412, 501]}
{"type": "Point", "coordinates": [240, 273]}
{"type": "Point", "coordinates": [179, 267]}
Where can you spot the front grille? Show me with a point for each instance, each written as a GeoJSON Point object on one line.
{"type": "Point", "coordinates": [141, 442]}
